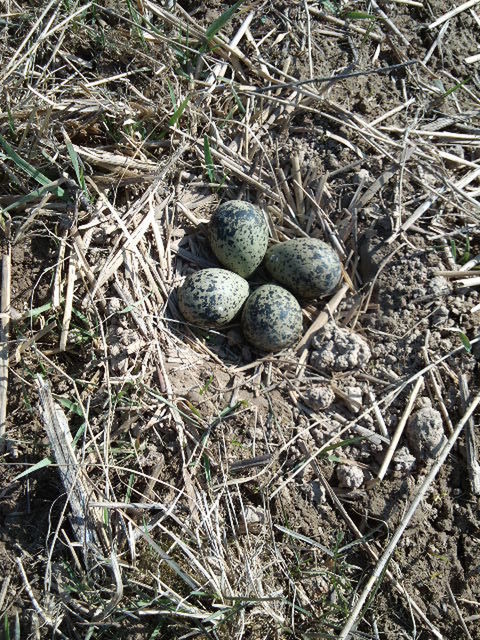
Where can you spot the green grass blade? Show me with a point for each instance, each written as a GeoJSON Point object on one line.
{"type": "Point", "coordinates": [76, 163]}
{"type": "Point", "coordinates": [36, 194]}
{"type": "Point", "coordinates": [46, 462]}
{"type": "Point", "coordinates": [178, 112]}
{"type": "Point", "coordinates": [220, 22]}
{"type": "Point", "coordinates": [358, 15]}
{"type": "Point", "coordinates": [459, 85]}
{"type": "Point", "coordinates": [466, 342]}
{"type": "Point", "coordinates": [28, 168]}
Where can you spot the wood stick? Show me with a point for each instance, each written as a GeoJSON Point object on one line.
{"type": "Point", "coordinates": [390, 548]}
{"type": "Point", "coordinates": [399, 430]}
{"type": "Point", "coordinates": [4, 334]}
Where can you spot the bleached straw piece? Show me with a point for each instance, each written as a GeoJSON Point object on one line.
{"type": "Point", "coordinates": [435, 43]}
{"type": "Point", "coordinates": [322, 318]}
{"type": "Point", "coordinates": [220, 68]}
{"type": "Point", "coordinates": [470, 445]}
{"type": "Point", "coordinates": [392, 26]}
{"type": "Point", "coordinates": [297, 188]}
{"type": "Point", "coordinates": [473, 59]}
{"type": "Point", "coordinates": [399, 430]}
{"type": "Point", "coordinates": [67, 314]}
{"type": "Point", "coordinates": [453, 13]}
{"type": "Point", "coordinates": [4, 333]}
{"type": "Point", "coordinates": [390, 548]}
{"type": "Point", "coordinates": [378, 415]}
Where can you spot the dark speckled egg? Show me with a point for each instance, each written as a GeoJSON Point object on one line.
{"type": "Point", "coordinates": [306, 266]}
{"type": "Point", "coordinates": [238, 235]}
{"type": "Point", "coordinates": [212, 297]}
{"type": "Point", "coordinates": [271, 318]}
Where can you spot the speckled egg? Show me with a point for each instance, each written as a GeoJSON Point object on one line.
{"type": "Point", "coordinates": [306, 266]}
{"type": "Point", "coordinates": [238, 235]}
{"type": "Point", "coordinates": [271, 318]}
{"type": "Point", "coordinates": [212, 297]}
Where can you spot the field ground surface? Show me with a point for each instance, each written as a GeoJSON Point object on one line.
{"type": "Point", "coordinates": [158, 480]}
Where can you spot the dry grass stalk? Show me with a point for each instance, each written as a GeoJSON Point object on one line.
{"type": "Point", "coordinates": [399, 430]}
{"type": "Point", "coordinates": [452, 13]}
{"type": "Point", "coordinates": [369, 547]}
{"type": "Point", "coordinates": [4, 337]}
{"type": "Point", "coordinates": [470, 445]}
{"type": "Point", "coordinates": [353, 618]}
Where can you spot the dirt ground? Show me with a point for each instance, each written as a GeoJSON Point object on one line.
{"type": "Point", "coordinates": [235, 493]}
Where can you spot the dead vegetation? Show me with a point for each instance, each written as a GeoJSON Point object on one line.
{"type": "Point", "coordinates": [160, 481]}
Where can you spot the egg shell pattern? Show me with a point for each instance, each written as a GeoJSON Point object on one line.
{"type": "Point", "coordinates": [306, 266]}
{"type": "Point", "coordinates": [212, 297]}
{"type": "Point", "coordinates": [272, 318]}
{"type": "Point", "coordinates": [238, 235]}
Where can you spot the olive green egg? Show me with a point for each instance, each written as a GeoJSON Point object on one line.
{"type": "Point", "coordinates": [238, 235]}
{"type": "Point", "coordinates": [271, 318]}
{"type": "Point", "coordinates": [307, 266]}
{"type": "Point", "coordinates": [212, 297]}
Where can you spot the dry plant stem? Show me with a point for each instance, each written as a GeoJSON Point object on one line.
{"type": "Point", "coordinates": [4, 334]}
{"type": "Point", "coordinates": [297, 188]}
{"type": "Point", "coordinates": [399, 430]}
{"type": "Point", "coordinates": [370, 550]}
{"type": "Point", "coordinates": [322, 318]}
{"type": "Point", "coordinates": [28, 588]}
{"type": "Point", "coordinates": [392, 26]}
{"type": "Point", "coordinates": [67, 314]}
{"type": "Point", "coordinates": [438, 394]}
{"type": "Point", "coordinates": [470, 445]}
{"type": "Point", "coordinates": [320, 321]}
{"type": "Point", "coordinates": [378, 415]}
{"type": "Point", "coordinates": [459, 613]}
{"type": "Point", "coordinates": [378, 571]}
{"type": "Point", "coordinates": [453, 12]}
{"type": "Point", "coordinates": [3, 590]}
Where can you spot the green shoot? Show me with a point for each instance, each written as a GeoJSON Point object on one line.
{"type": "Point", "coordinates": [220, 22]}
{"type": "Point", "coordinates": [46, 462]}
{"type": "Point", "coordinates": [29, 169]}
{"type": "Point", "coordinates": [77, 163]}
{"type": "Point", "coordinates": [178, 112]}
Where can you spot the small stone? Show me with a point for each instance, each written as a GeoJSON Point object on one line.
{"type": "Point", "coordinates": [339, 349]}
{"type": "Point", "coordinates": [425, 433]}
{"type": "Point", "coordinates": [439, 286]}
{"type": "Point", "coordinates": [253, 519]}
{"type": "Point", "coordinates": [319, 397]}
{"type": "Point", "coordinates": [403, 461]}
{"type": "Point", "coordinates": [354, 398]}
{"type": "Point", "coordinates": [349, 476]}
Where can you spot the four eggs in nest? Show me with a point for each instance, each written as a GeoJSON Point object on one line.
{"type": "Point", "coordinates": [272, 317]}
